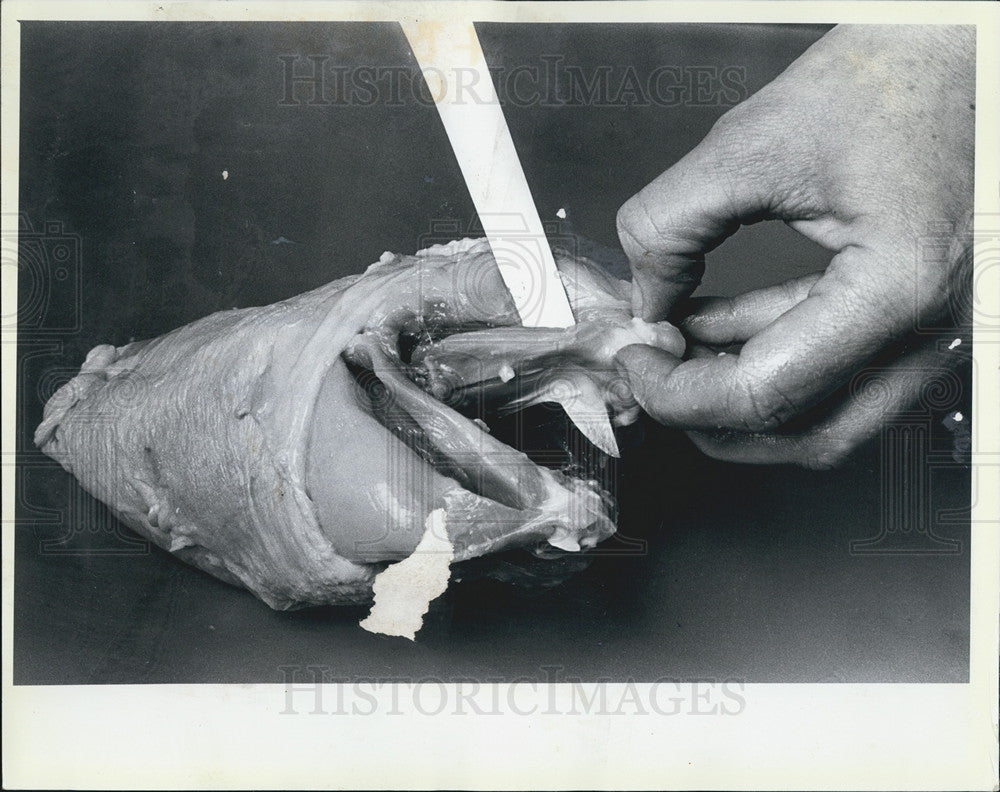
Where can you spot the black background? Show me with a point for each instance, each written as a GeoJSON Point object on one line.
{"type": "Point", "coordinates": [748, 572]}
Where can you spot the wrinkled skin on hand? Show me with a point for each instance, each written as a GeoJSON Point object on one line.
{"type": "Point", "coordinates": [296, 449]}
{"type": "Point", "coordinates": [865, 146]}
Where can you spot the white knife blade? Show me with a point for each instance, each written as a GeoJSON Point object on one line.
{"type": "Point", "coordinates": [454, 68]}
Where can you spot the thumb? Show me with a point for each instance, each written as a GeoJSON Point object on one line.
{"type": "Point", "coordinates": [667, 228]}
{"type": "Point", "coordinates": [647, 371]}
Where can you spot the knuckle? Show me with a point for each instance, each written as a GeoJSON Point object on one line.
{"type": "Point", "coordinates": [733, 120]}
{"type": "Point", "coordinates": [740, 133]}
{"type": "Point", "coordinates": [722, 444]}
{"type": "Point", "coordinates": [828, 455]}
{"type": "Point", "coordinates": [877, 308]}
{"type": "Point", "coordinates": [831, 445]}
{"type": "Point", "coordinates": [757, 405]}
{"type": "Point", "coordinates": [639, 229]}
{"type": "Point", "coordinates": [650, 391]}
{"type": "Point", "coordinates": [623, 219]}
{"type": "Point", "coordinates": [759, 142]}
{"type": "Point", "coordinates": [790, 291]}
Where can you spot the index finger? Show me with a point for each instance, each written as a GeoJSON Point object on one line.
{"type": "Point", "coordinates": [666, 228]}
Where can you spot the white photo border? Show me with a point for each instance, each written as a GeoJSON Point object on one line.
{"type": "Point", "coordinates": [787, 736]}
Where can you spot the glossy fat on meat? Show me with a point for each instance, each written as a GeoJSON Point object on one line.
{"type": "Point", "coordinates": [292, 450]}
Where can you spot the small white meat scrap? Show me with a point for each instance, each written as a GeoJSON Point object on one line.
{"type": "Point", "coordinates": [404, 590]}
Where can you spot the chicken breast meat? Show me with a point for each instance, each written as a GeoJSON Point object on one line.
{"type": "Point", "coordinates": [296, 449]}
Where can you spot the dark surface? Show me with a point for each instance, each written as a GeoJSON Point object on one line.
{"type": "Point", "coordinates": [745, 573]}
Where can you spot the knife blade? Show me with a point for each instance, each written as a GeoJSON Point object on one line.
{"type": "Point", "coordinates": [454, 68]}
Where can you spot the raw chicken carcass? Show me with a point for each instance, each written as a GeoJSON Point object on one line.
{"type": "Point", "coordinates": [296, 449]}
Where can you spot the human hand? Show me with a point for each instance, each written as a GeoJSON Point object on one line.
{"type": "Point", "coordinates": [862, 144]}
